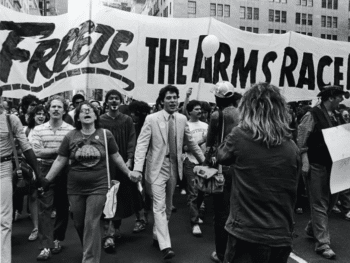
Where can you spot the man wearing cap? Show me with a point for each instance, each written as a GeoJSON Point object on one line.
{"type": "Point", "coordinates": [317, 163]}
{"type": "Point", "coordinates": [221, 123]}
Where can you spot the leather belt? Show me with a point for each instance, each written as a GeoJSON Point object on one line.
{"type": "Point", "coordinates": [5, 158]}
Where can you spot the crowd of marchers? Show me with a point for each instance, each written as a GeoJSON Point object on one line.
{"type": "Point", "coordinates": [271, 153]}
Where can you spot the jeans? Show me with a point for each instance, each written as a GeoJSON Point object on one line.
{"type": "Point", "coordinates": [321, 204]}
{"type": "Point", "coordinates": [194, 197]}
{"type": "Point", "coordinates": [344, 198]}
{"type": "Point", "coordinates": [57, 191]}
{"type": "Point", "coordinates": [240, 251]}
{"type": "Point", "coordinates": [87, 211]}
{"type": "Point", "coordinates": [221, 204]}
{"type": "Point", "coordinates": [6, 211]}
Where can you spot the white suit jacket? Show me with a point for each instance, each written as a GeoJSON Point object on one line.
{"type": "Point", "coordinates": [153, 142]}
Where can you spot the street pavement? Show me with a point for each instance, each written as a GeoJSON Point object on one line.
{"type": "Point", "coordinates": [137, 248]}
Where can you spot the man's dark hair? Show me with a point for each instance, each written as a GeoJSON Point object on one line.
{"type": "Point", "coordinates": [27, 100]}
{"type": "Point", "coordinates": [193, 103]}
{"type": "Point", "coordinates": [77, 97]}
{"type": "Point", "coordinates": [206, 106]}
{"type": "Point", "coordinates": [114, 92]}
{"type": "Point", "coordinates": [78, 125]}
{"type": "Point", "coordinates": [139, 108]}
{"type": "Point", "coordinates": [163, 91]}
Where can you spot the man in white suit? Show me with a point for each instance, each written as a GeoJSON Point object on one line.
{"type": "Point", "coordinates": [161, 139]}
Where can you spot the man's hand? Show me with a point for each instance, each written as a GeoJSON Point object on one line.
{"type": "Point", "coordinates": [135, 176]}
{"type": "Point", "coordinates": [189, 92]}
{"type": "Point", "coordinates": [43, 184]}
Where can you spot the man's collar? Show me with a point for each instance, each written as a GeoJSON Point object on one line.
{"type": "Point", "coordinates": [166, 114]}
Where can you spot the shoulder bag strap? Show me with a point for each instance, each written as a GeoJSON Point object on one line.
{"type": "Point", "coordinates": [9, 125]}
{"type": "Point", "coordinates": [107, 159]}
{"type": "Point", "coordinates": [222, 137]}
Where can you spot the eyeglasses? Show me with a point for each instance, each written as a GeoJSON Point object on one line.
{"type": "Point", "coordinates": [86, 110]}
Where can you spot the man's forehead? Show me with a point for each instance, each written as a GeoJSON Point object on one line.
{"type": "Point", "coordinates": [55, 102]}
{"type": "Point", "coordinates": [112, 96]}
{"type": "Point", "coordinates": [170, 94]}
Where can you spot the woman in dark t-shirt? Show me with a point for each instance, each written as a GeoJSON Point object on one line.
{"type": "Point", "coordinates": [87, 178]}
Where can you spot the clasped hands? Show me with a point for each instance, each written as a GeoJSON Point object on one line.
{"type": "Point", "coordinates": [135, 176]}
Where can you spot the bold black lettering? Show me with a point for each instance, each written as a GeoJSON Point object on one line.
{"type": "Point", "coordinates": [165, 60]}
{"type": "Point", "coordinates": [39, 59]}
{"type": "Point", "coordinates": [181, 61]}
{"type": "Point", "coordinates": [287, 71]}
{"type": "Point", "coordinates": [270, 56]}
{"type": "Point", "coordinates": [114, 53]}
{"type": "Point", "coordinates": [199, 72]}
{"type": "Point", "coordinates": [324, 61]}
{"type": "Point", "coordinates": [18, 31]}
{"type": "Point", "coordinates": [152, 44]}
{"type": "Point", "coordinates": [106, 33]}
{"type": "Point", "coordinates": [348, 75]}
{"type": "Point", "coordinates": [220, 67]}
{"type": "Point", "coordinates": [307, 65]}
{"type": "Point", "coordinates": [338, 76]}
{"type": "Point", "coordinates": [86, 27]}
{"type": "Point", "coordinates": [238, 67]}
{"type": "Point", "coordinates": [63, 53]}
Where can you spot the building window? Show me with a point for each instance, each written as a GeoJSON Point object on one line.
{"type": "Point", "coordinates": [277, 31]}
{"type": "Point", "coordinates": [165, 12]}
{"type": "Point", "coordinates": [335, 37]}
{"type": "Point", "coordinates": [323, 36]}
{"type": "Point", "coordinates": [220, 10]}
{"type": "Point", "coordinates": [309, 20]}
{"type": "Point", "coordinates": [329, 21]}
{"type": "Point", "coordinates": [348, 39]}
{"type": "Point", "coordinates": [256, 30]}
{"type": "Point", "coordinates": [303, 19]}
{"type": "Point", "coordinates": [242, 12]}
{"type": "Point", "coordinates": [212, 9]}
{"type": "Point", "coordinates": [283, 31]}
{"type": "Point", "coordinates": [242, 28]}
{"type": "Point", "coordinates": [227, 11]}
{"type": "Point", "coordinates": [329, 5]}
{"type": "Point", "coordinates": [277, 16]}
{"type": "Point", "coordinates": [271, 14]}
{"type": "Point", "coordinates": [298, 2]}
{"type": "Point", "coordinates": [256, 13]}
{"type": "Point", "coordinates": [270, 31]}
{"type": "Point", "coordinates": [324, 4]}
{"type": "Point", "coordinates": [297, 18]}
{"type": "Point", "coordinates": [323, 21]}
{"type": "Point", "coordinates": [304, 2]}
{"type": "Point", "coordinates": [310, 2]}
{"type": "Point", "coordinates": [191, 9]}
{"type": "Point", "coordinates": [284, 1]}
{"type": "Point", "coordinates": [249, 13]}
{"type": "Point", "coordinates": [335, 22]}
{"type": "Point", "coordinates": [284, 17]}
{"type": "Point", "coordinates": [249, 29]}
{"type": "Point", "coordinates": [309, 34]}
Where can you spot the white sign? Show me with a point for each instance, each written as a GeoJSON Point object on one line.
{"type": "Point", "coordinates": [338, 143]}
{"type": "Point", "coordinates": [106, 48]}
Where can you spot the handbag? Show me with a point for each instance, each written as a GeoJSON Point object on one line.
{"type": "Point", "coordinates": [23, 174]}
{"type": "Point", "coordinates": [113, 186]}
{"type": "Point", "coordinates": [208, 179]}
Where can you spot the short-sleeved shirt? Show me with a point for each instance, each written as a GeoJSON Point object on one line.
{"type": "Point", "coordinates": [88, 171]}
{"type": "Point", "coordinates": [197, 130]}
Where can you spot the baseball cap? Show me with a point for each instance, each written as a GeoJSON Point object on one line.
{"type": "Point", "coordinates": [223, 89]}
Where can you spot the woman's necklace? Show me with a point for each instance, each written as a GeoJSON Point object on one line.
{"type": "Point", "coordinates": [87, 135]}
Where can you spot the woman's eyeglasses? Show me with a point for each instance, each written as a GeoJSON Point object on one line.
{"type": "Point", "coordinates": [86, 110]}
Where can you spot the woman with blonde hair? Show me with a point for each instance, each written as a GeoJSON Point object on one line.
{"type": "Point", "coordinates": [266, 165]}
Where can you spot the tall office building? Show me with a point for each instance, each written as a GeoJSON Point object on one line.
{"type": "Point", "coordinates": [328, 19]}
{"type": "Point", "coordinates": [23, 6]}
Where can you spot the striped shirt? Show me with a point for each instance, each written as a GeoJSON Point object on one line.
{"type": "Point", "coordinates": [43, 137]}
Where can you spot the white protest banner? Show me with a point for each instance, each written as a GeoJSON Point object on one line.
{"type": "Point", "coordinates": [338, 143]}
{"type": "Point", "coordinates": [107, 48]}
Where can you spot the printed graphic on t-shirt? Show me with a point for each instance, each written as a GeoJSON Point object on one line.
{"type": "Point", "coordinates": [88, 155]}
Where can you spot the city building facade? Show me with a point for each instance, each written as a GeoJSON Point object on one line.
{"type": "Point", "coordinates": [329, 19]}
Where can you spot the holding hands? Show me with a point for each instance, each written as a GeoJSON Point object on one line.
{"type": "Point", "coordinates": [135, 176]}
